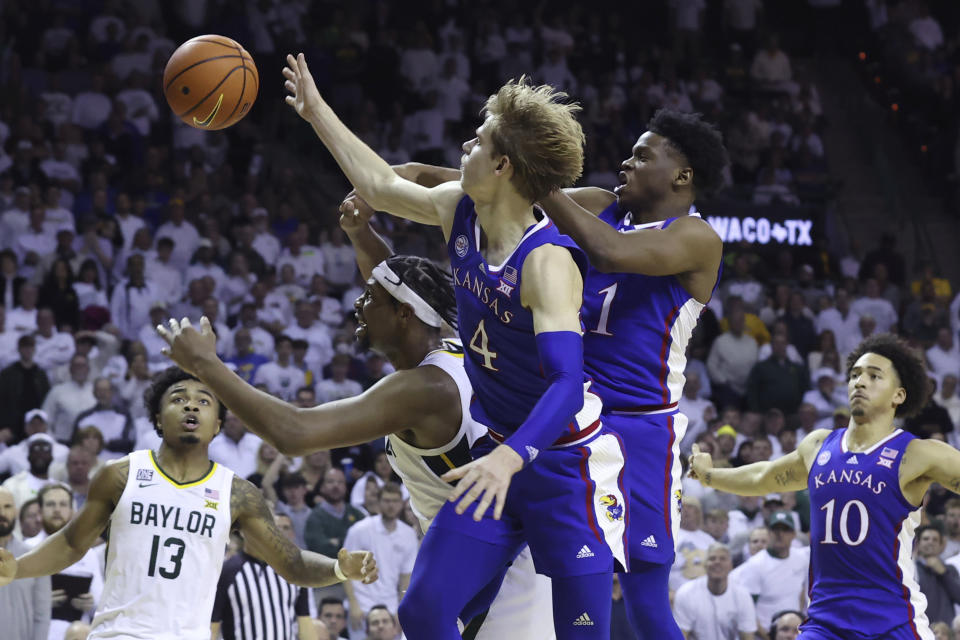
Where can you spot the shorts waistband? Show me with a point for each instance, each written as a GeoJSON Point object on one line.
{"type": "Point", "coordinates": [645, 409]}
{"type": "Point", "coordinates": [569, 440]}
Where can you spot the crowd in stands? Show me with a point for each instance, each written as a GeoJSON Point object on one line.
{"type": "Point", "coordinates": [114, 216]}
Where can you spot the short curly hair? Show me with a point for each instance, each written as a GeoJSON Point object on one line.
{"type": "Point", "coordinates": [906, 362]}
{"type": "Point", "coordinates": [153, 394]}
{"type": "Point", "coordinates": [700, 142]}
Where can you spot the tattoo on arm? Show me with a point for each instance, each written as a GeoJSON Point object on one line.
{"type": "Point", "coordinates": [246, 504]}
{"type": "Point", "coordinates": [786, 477]}
{"type": "Point", "coordinates": [706, 479]}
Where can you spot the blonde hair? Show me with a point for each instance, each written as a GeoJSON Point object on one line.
{"type": "Point", "coordinates": [539, 133]}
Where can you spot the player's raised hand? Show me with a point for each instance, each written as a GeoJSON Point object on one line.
{"type": "Point", "coordinates": [486, 480]}
{"type": "Point", "coordinates": [355, 213]}
{"type": "Point", "coordinates": [305, 98]}
{"type": "Point", "coordinates": [8, 567]}
{"type": "Point", "coordinates": [187, 347]}
{"type": "Point", "coordinates": [701, 463]}
{"type": "Point", "coordinates": [358, 565]}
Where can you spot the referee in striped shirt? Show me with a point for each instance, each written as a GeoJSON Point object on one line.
{"type": "Point", "coordinates": [254, 603]}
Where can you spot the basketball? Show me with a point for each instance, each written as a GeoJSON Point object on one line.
{"type": "Point", "coordinates": [210, 82]}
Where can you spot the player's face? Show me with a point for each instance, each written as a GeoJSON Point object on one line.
{"type": "Point", "coordinates": [647, 176]}
{"type": "Point", "coordinates": [189, 413]}
{"type": "Point", "coordinates": [376, 315]}
{"type": "Point", "coordinates": [381, 625]}
{"type": "Point", "coordinates": [873, 388]}
{"type": "Point", "coordinates": [478, 164]}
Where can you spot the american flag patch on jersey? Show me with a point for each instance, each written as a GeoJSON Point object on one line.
{"type": "Point", "coordinates": [213, 494]}
{"type": "Point", "coordinates": [510, 274]}
{"type": "Point", "coordinates": [889, 453]}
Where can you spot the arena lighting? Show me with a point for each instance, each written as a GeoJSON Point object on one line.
{"type": "Point", "coordinates": [862, 55]}
{"type": "Point", "coordinates": [895, 107]}
{"type": "Point", "coordinates": [794, 232]}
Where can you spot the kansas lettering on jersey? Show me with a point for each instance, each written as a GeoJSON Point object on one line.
{"type": "Point", "coordinates": [420, 469]}
{"type": "Point", "coordinates": [502, 360]}
{"type": "Point", "coordinates": [636, 331]}
{"type": "Point", "coordinates": [862, 574]}
{"type": "Point", "coordinates": [165, 554]}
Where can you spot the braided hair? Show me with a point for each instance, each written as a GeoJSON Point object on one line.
{"type": "Point", "coordinates": [699, 141]}
{"type": "Point", "coordinates": [428, 281]}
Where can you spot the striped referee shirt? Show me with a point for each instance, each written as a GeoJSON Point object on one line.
{"type": "Point", "coordinates": [254, 603]}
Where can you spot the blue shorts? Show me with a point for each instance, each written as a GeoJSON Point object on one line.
{"type": "Point", "coordinates": [812, 630]}
{"type": "Point", "coordinates": [652, 481]}
{"type": "Point", "coordinates": [568, 505]}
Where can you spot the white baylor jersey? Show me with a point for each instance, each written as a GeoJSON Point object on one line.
{"type": "Point", "coordinates": [523, 609]}
{"type": "Point", "coordinates": [164, 556]}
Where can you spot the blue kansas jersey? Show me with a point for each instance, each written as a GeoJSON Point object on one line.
{"type": "Point", "coordinates": [862, 574]}
{"type": "Point", "coordinates": [636, 331]}
{"type": "Point", "coordinates": [502, 360]}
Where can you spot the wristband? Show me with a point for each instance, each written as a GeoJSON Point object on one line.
{"type": "Point", "coordinates": [337, 572]}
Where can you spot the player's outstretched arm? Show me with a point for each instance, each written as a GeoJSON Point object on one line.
{"type": "Point", "coordinates": [369, 174]}
{"type": "Point", "coordinates": [371, 249]}
{"type": "Point", "coordinates": [928, 461]}
{"type": "Point", "coordinates": [553, 290]}
{"type": "Point", "coordinates": [787, 473]}
{"type": "Point", "coordinates": [68, 545]}
{"type": "Point", "coordinates": [688, 244]}
{"type": "Point", "coordinates": [264, 540]}
{"type": "Point", "coordinates": [422, 398]}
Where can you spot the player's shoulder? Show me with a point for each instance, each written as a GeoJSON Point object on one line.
{"type": "Point", "coordinates": [246, 499]}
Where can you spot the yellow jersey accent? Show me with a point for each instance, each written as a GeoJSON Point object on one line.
{"type": "Point", "coordinates": [207, 476]}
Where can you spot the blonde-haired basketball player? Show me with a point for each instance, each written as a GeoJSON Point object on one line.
{"type": "Point", "coordinates": [170, 514]}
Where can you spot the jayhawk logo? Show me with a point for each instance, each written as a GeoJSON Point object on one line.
{"type": "Point", "coordinates": [614, 508]}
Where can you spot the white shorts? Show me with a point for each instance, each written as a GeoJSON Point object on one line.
{"type": "Point", "coordinates": [523, 609]}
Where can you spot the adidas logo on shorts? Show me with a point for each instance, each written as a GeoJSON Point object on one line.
{"type": "Point", "coordinates": [650, 541]}
{"type": "Point", "coordinates": [585, 553]}
{"type": "Point", "coordinates": [583, 621]}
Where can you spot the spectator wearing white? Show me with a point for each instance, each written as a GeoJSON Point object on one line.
{"type": "Point", "coordinates": [57, 105]}
{"type": "Point", "coordinates": [555, 72]}
{"type": "Point", "coordinates": [264, 242]}
{"type": "Point", "coordinates": [211, 309]}
{"type": "Point", "coordinates": [330, 309]}
{"type": "Point", "coordinates": [13, 459]}
{"type": "Point", "coordinates": [165, 273]}
{"type": "Point", "coordinates": [418, 62]}
{"type": "Point", "coordinates": [339, 386]}
{"type": "Point", "coordinates": [204, 266]}
{"type": "Point", "coordinates": [26, 484]}
{"type": "Point", "coordinates": [691, 544]}
{"type": "Point", "coordinates": [191, 306]}
{"type": "Point", "coordinates": [425, 129]}
{"type": "Point", "coordinates": [75, 472]}
{"type": "Point", "coordinates": [305, 258]}
{"type": "Point", "coordinates": [37, 240]}
{"type": "Point", "coordinates": [148, 336]}
{"type": "Point", "coordinates": [57, 216]}
{"type": "Point", "coordinates": [699, 411]}
{"type": "Point", "coordinates": [97, 346]}
{"type": "Point", "coordinates": [951, 525]}
{"type": "Point", "coordinates": [281, 377]}
{"type": "Point", "coordinates": [141, 107]}
{"type": "Point", "coordinates": [757, 540]}
{"type": "Point", "coordinates": [53, 347]}
{"type": "Point", "coordinates": [239, 280]}
{"type": "Point", "coordinates": [16, 219]}
{"type": "Point", "coordinates": [711, 608]}
{"type": "Point", "coordinates": [339, 262]}
{"type": "Point", "coordinates": [771, 67]}
{"type": "Point", "coordinates": [91, 108]}
{"type": "Point", "coordinates": [142, 245]}
{"type": "Point", "coordinates": [775, 578]}
{"type": "Point", "coordinates": [827, 397]}
{"type": "Point", "coordinates": [288, 286]}
{"type": "Point", "coordinates": [115, 424]}
{"type": "Point", "coordinates": [274, 311]}
{"type": "Point", "coordinates": [261, 340]}
{"type": "Point", "coordinates": [316, 333]}
{"type": "Point", "coordinates": [67, 400]}
{"type": "Point", "coordinates": [22, 319]}
{"type": "Point", "coordinates": [743, 283]}
{"type": "Point", "coordinates": [946, 396]}
{"type": "Point", "coordinates": [58, 169]}
{"type": "Point", "coordinates": [732, 356]}
{"type": "Point", "coordinates": [747, 516]}
{"type": "Point", "coordinates": [944, 356]}
{"type": "Point", "coordinates": [56, 509]}
{"type": "Point", "coordinates": [129, 222]}
{"type": "Point", "coordinates": [235, 447]}
{"type": "Point", "coordinates": [876, 306]}
{"type": "Point", "coordinates": [926, 30]}
{"type": "Point", "coordinates": [132, 298]}
{"type": "Point", "coordinates": [134, 384]}
{"type": "Point", "coordinates": [396, 543]}
{"type": "Point", "coordinates": [184, 234]}
{"type": "Point", "coordinates": [452, 91]}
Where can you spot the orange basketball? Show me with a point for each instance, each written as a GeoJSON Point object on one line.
{"type": "Point", "coordinates": [210, 82]}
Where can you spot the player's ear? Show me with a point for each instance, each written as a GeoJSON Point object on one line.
{"type": "Point", "coordinates": [684, 177]}
{"type": "Point", "coordinates": [899, 397]}
{"type": "Point", "coordinates": [503, 165]}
